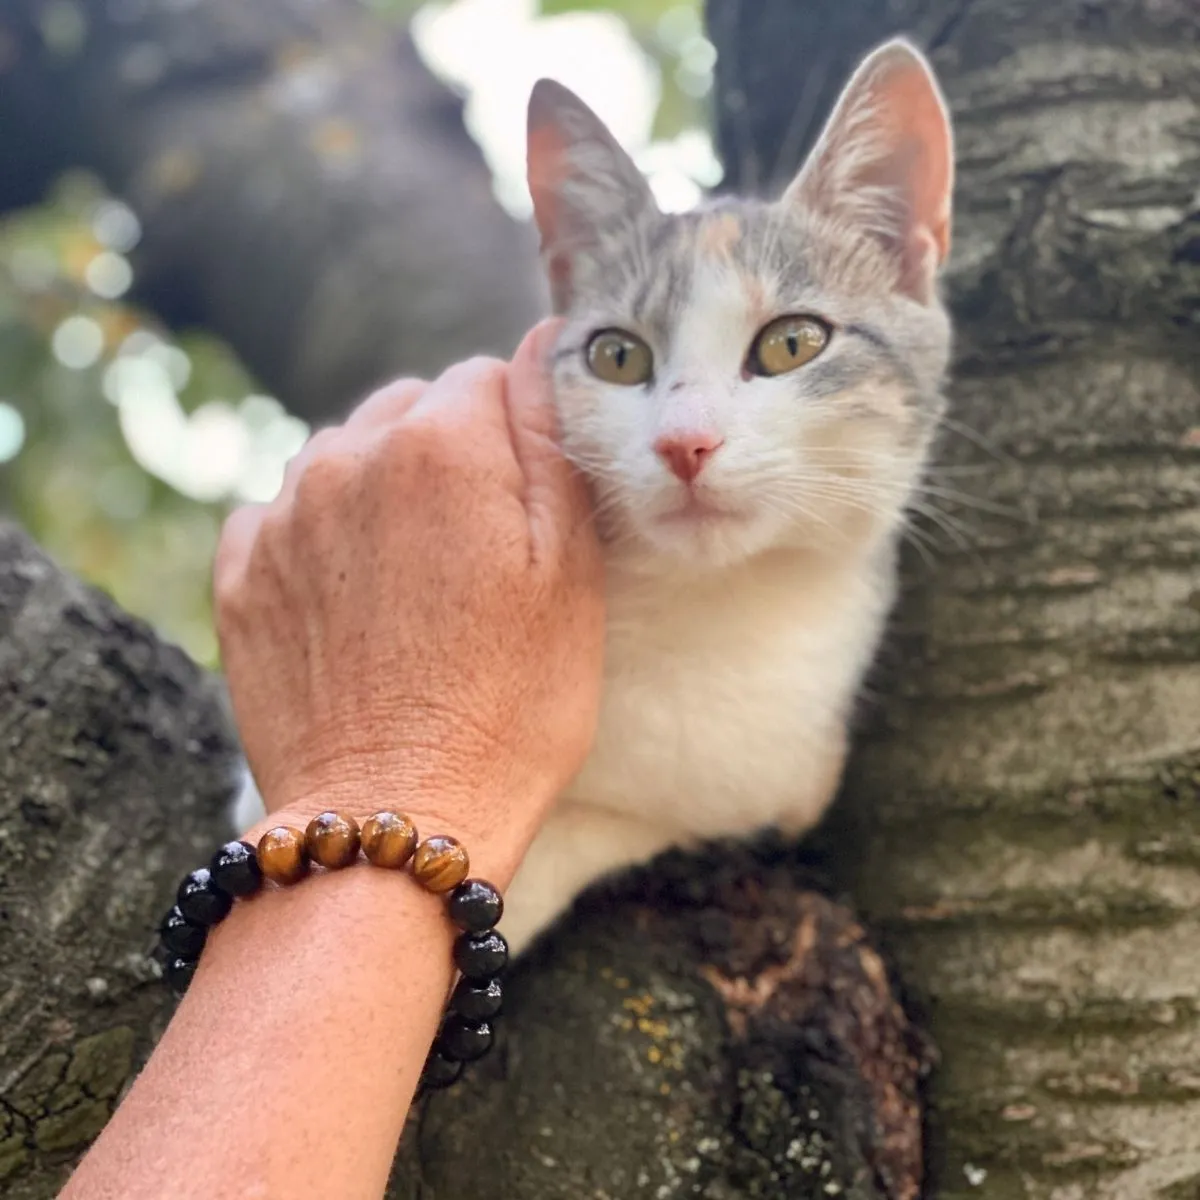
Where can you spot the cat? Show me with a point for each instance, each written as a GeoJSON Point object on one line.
{"type": "Point", "coordinates": [751, 389]}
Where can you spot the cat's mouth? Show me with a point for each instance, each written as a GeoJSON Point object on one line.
{"type": "Point", "coordinates": [696, 509]}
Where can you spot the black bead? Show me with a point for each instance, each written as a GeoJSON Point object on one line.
{"type": "Point", "coordinates": [477, 1001]}
{"type": "Point", "coordinates": [235, 869]}
{"type": "Point", "coordinates": [480, 956]}
{"type": "Point", "coordinates": [180, 936]}
{"type": "Point", "coordinates": [201, 901]}
{"type": "Point", "coordinates": [476, 906]}
{"type": "Point", "coordinates": [179, 973]}
{"type": "Point", "coordinates": [464, 1041]}
{"type": "Point", "coordinates": [439, 1072]}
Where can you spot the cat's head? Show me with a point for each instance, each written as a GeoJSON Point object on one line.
{"type": "Point", "coordinates": [753, 375]}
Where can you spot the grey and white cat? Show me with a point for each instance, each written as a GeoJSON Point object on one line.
{"type": "Point", "coordinates": [752, 389]}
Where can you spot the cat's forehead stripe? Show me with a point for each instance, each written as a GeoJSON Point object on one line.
{"type": "Point", "coordinates": [719, 235]}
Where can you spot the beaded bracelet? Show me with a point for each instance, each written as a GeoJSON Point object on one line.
{"type": "Point", "coordinates": [440, 864]}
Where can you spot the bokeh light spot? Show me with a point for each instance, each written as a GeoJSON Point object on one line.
{"type": "Point", "coordinates": [12, 432]}
{"type": "Point", "coordinates": [109, 275]}
{"type": "Point", "coordinates": [78, 343]}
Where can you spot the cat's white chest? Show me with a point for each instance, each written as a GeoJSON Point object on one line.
{"type": "Point", "coordinates": [724, 705]}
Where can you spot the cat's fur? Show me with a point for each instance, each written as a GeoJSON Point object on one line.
{"type": "Point", "coordinates": [738, 638]}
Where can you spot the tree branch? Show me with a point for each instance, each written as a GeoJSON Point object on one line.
{"type": "Point", "coordinates": [307, 189]}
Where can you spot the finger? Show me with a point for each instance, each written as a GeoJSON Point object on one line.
{"type": "Point", "coordinates": [319, 443]}
{"type": "Point", "coordinates": [465, 408]}
{"type": "Point", "coordinates": [234, 548]}
{"type": "Point", "coordinates": [556, 496]}
{"type": "Point", "coordinates": [389, 404]}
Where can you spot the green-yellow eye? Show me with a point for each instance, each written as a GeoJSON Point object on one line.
{"type": "Point", "coordinates": [619, 357]}
{"type": "Point", "coordinates": [787, 343]}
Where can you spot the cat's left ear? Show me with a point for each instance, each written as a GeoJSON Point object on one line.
{"type": "Point", "coordinates": [885, 163]}
{"type": "Point", "coordinates": [585, 188]}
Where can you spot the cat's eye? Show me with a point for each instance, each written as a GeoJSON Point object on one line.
{"type": "Point", "coordinates": [619, 357]}
{"type": "Point", "coordinates": [787, 343]}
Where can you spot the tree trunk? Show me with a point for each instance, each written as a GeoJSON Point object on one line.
{"type": "Point", "coordinates": [306, 187]}
{"type": "Point", "coordinates": [1025, 804]}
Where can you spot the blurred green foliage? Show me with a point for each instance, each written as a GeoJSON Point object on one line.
{"type": "Point", "coordinates": [67, 471]}
{"type": "Point", "coordinates": [123, 445]}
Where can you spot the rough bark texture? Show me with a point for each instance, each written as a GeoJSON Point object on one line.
{"type": "Point", "coordinates": [1028, 799]}
{"type": "Point", "coordinates": [306, 187]}
{"type": "Point", "coordinates": [112, 784]}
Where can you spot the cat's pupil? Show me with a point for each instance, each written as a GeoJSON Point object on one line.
{"type": "Point", "coordinates": [620, 354]}
{"type": "Point", "coordinates": [793, 344]}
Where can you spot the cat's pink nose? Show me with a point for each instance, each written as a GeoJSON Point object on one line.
{"type": "Point", "coordinates": [687, 453]}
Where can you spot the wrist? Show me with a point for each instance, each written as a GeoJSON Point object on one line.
{"type": "Point", "coordinates": [494, 848]}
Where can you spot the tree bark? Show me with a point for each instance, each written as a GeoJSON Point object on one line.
{"type": "Point", "coordinates": [306, 187]}
{"type": "Point", "coordinates": [1024, 805]}
{"type": "Point", "coordinates": [113, 783]}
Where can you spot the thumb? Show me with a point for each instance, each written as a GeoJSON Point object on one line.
{"type": "Point", "coordinates": [556, 496]}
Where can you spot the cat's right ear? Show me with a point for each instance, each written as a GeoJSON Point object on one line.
{"type": "Point", "coordinates": [884, 163]}
{"type": "Point", "coordinates": [585, 188]}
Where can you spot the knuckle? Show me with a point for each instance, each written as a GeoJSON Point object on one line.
{"type": "Point", "coordinates": [426, 444]}
{"type": "Point", "coordinates": [480, 374]}
{"type": "Point", "coordinates": [327, 474]}
{"type": "Point", "coordinates": [387, 403]}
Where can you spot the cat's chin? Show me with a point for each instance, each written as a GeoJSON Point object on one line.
{"type": "Point", "coordinates": [705, 536]}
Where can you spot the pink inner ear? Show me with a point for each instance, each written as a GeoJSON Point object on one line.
{"type": "Point", "coordinates": [547, 169]}
{"type": "Point", "coordinates": [886, 163]}
{"type": "Point", "coordinates": [921, 163]}
{"type": "Point", "coordinates": [546, 157]}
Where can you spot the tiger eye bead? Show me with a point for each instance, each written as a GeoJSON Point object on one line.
{"type": "Point", "coordinates": [235, 869]}
{"type": "Point", "coordinates": [200, 900]}
{"type": "Point", "coordinates": [389, 839]}
{"type": "Point", "coordinates": [440, 863]}
{"type": "Point", "coordinates": [282, 855]}
{"type": "Point", "coordinates": [332, 840]}
{"type": "Point", "coordinates": [476, 906]}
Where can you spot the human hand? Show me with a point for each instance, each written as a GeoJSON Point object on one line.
{"type": "Point", "coordinates": [416, 621]}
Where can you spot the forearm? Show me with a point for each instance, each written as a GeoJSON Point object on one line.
{"type": "Point", "coordinates": [290, 1065]}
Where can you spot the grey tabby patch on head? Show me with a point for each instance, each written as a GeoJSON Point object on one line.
{"type": "Point", "coordinates": [751, 389]}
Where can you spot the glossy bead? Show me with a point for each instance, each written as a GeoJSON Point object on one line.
{"type": "Point", "coordinates": [440, 863]}
{"type": "Point", "coordinates": [235, 869]}
{"type": "Point", "coordinates": [282, 856]}
{"type": "Point", "coordinates": [477, 1001]}
{"type": "Point", "coordinates": [476, 906]}
{"type": "Point", "coordinates": [201, 901]}
{"type": "Point", "coordinates": [480, 956]}
{"type": "Point", "coordinates": [180, 936]}
{"type": "Point", "coordinates": [440, 1072]}
{"type": "Point", "coordinates": [179, 972]}
{"type": "Point", "coordinates": [389, 839]}
{"type": "Point", "coordinates": [464, 1041]}
{"type": "Point", "coordinates": [332, 840]}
